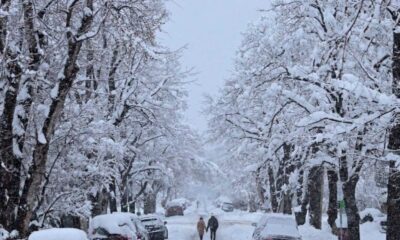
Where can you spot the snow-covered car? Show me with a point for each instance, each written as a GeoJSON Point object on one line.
{"type": "Point", "coordinates": [59, 234]}
{"type": "Point", "coordinates": [174, 211]}
{"type": "Point", "coordinates": [276, 227]}
{"type": "Point", "coordinates": [227, 206]}
{"type": "Point", "coordinates": [182, 202]}
{"type": "Point", "coordinates": [220, 200]}
{"type": "Point", "coordinates": [155, 226]}
{"type": "Point", "coordinates": [175, 207]}
{"type": "Point", "coordinates": [117, 226]}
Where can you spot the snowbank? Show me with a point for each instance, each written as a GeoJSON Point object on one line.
{"type": "Point", "coordinates": [59, 234]}
{"type": "Point", "coordinates": [3, 234]}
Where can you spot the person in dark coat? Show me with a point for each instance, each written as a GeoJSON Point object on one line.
{"type": "Point", "coordinates": [213, 226]}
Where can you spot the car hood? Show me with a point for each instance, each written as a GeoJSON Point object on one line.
{"type": "Point", "coordinates": [275, 230]}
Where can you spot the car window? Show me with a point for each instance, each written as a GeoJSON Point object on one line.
{"type": "Point", "coordinates": [101, 231]}
{"type": "Point", "coordinates": [151, 221]}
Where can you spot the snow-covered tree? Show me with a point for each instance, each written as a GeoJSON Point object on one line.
{"type": "Point", "coordinates": [91, 109]}
{"type": "Point", "coordinates": [312, 88]}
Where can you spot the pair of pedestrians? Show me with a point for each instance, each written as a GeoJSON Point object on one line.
{"type": "Point", "coordinates": [212, 225]}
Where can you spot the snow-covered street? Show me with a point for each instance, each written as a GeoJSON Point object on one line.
{"type": "Point", "coordinates": [237, 225]}
{"type": "Point", "coordinates": [232, 226]}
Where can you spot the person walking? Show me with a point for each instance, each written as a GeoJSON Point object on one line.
{"type": "Point", "coordinates": [213, 226]}
{"type": "Point", "coordinates": [201, 227]}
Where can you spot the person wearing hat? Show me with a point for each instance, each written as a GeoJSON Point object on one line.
{"type": "Point", "coordinates": [201, 227]}
{"type": "Point", "coordinates": [213, 226]}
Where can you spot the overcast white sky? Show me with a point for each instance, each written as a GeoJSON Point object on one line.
{"type": "Point", "coordinates": [211, 29]}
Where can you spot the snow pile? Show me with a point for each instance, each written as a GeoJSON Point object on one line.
{"type": "Point", "coordinates": [372, 230]}
{"type": "Point", "coordinates": [3, 234]}
{"type": "Point", "coordinates": [58, 234]}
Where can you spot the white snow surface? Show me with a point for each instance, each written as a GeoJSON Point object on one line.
{"type": "Point", "coordinates": [3, 234]}
{"type": "Point", "coordinates": [237, 225]}
{"type": "Point", "coordinates": [59, 234]}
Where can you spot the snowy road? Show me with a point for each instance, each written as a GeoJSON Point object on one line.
{"type": "Point", "coordinates": [184, 228]}
{"type": "Point", "coordinates": [237, 226]}
{"type": "Point", "coordinates": [233, 226]}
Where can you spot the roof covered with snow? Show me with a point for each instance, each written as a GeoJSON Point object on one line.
{"type": "Point", "coordinates": [280, 225]}
{"type": "Point", "coordinates": [116, 223]}
{"type": "Point", "coordinates": [58, 234]}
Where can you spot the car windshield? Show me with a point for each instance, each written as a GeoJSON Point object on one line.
{"type": "Point", "coordinates": [150, 221]}
{"type": "Point", "coordinates": [101, 231]}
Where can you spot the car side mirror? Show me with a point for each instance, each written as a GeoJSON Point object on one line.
{"type": "Point", "coordinates": [254, 224]}
{"type": "Point", "coordinates": [165, 222]}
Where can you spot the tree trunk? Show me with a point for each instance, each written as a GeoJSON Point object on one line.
{"type": "Point", "coordinates": [31, 193]}
{"type": "Point", "coordinates": [252, 203]}
{"type": "Point", "coordinates": [125, 199]}
{"type": "Point", "coordinates": [272, 190]}
{"type": "Point", "coordinates": [332, 207]}
{"type": "Point", "coordinates": [260, 189]}
{"type": "Point", "coordinates": [301, 216]}
{"type": "Point", "coordinates": [353, 218]}
{"type": "Point", "coordinates": [127, 203]}
{"type": "Point", "coordinates": [393, 202]}
{"type": "Point", "coordinates": [315, 188]}
{"type": "Point", "coordinates": [70, 221]}
{"type": "Point", "coordinates": [166, 198]}
{"type": "Point", "coordinates": [99, 203]}
{"type": "Point", "coordinates": [10, 172]}
{"type": "Point", "coordinates": [300, 187]}
{"type": "Point", "coordinates": [150, 200]}
{"type": "Point", "coordinates": [11, 164]}
{"type": "Point", "coordinates": [113, 197]}
{"type": "Point", "coordinates": [287, 202]}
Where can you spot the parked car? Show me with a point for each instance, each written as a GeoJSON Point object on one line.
{"type": "Point", "coordinates": [117, 226]}
{"type": "Point", "coordinates": [276, 227]}
{"type": "Point", "coordinates": [182, 202]}
{"type": "Point", "coordinates": [59, 234]}
{"type": "Point", "coordinates": [221, 199]}
{"type": "Point", "coordinates": [155, 226]}
{"type": "Point", "coordinates": [174, 211]}
{"type": "Point", "coordinates": [227, 206]}
{"type": "Point", "coordinates": [174, 208]}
